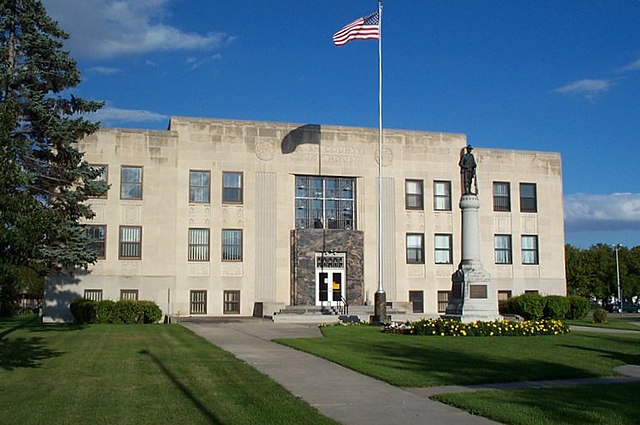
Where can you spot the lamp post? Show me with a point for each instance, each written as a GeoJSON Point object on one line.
{"type": "Point", "coordinates": [617, 248]}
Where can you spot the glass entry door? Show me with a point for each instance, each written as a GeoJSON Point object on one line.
{"type": "Point", "coordinates": [330, 279]}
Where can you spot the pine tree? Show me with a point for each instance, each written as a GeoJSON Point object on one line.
{"type": "Point", "coordinates": [44, 181]}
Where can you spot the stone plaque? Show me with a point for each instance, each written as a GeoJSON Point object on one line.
{"type": "Point", "coordinates": [478, 291]}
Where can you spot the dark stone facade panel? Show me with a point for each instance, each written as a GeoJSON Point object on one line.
{"type": "Point", "coordinates": [305, 244]}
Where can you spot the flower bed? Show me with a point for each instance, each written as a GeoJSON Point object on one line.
{"type": "Point", "coordinates": [450, 327]}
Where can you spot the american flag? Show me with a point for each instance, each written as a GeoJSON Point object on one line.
{"type": "Point", "coordinates": [366, 28]}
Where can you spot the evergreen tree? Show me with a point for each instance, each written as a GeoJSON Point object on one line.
{"type": "Point", "coordinates": [44, 181]}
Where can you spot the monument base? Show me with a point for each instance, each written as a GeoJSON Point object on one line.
{"type": "Point", "coordinates": [472, 296]}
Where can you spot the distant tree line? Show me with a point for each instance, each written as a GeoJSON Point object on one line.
{"type": "Point", "coordinates": [591, 272]}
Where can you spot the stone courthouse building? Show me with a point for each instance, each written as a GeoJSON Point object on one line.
{"type": "Point", "coordinates": [215, 217]}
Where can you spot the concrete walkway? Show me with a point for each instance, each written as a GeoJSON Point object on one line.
{"type": "Point", "coordinates": [347, 396]}
{"type": "Point", "coordinates": [340, 393]}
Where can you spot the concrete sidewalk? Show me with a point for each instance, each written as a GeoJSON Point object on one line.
{"type": "Point", "coordinates": [337, 392]}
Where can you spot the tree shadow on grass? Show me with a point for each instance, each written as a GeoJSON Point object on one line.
{"type": "Point", "coordinates": [211, 416]}
{"type": "Point", "coordinates": [24, 352]}
{"type": "Point", "coordinates": [452, 367]}
{"type": "Point", "coordinates": [618, 348]}
{"type": "Point", "coordinates": [15, 324]}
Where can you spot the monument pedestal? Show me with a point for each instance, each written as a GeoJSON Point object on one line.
{"type": "Point", "coordinates": [473, 295]}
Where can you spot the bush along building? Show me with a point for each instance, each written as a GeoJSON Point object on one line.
{"type": "Point", "coordinates": [224, 217]}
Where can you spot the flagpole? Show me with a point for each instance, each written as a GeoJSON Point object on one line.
{"type": "Point", "coordinates": [380, 312]}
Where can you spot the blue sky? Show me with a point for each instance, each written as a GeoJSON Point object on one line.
{"type": "Point", "coordinates": [536, 75]}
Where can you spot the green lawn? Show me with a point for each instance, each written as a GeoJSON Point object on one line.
{"type": "Point", "coordinates": [614, 321]}
{"type": "Point", "coordinates": [420, 361]}
{"type": "Point", "coordinates": [611, 404]}
{"type": "Point", "coordinates": [133, 374]}
{"type": "Point", "coordinates": [407, 360]}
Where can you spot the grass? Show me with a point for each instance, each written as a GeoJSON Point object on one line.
{"type": "Point", "coordinates": [430, 361]}
{"type": "Point", "coordinates": [133, 374]}
{"type": "Point", "coordinates": [613, 322]}
{"type": "Point", "coordinates": [610, 404]}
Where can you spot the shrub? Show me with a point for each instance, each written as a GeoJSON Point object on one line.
{"type": "Point", "coordinates": [128, 312]}
{"type": "Point", "coordinates": [556, 307]}
{"type": "Point", "coordinates": [104, 311]}
{"type": "Point", "coordinates": [151, 313]}
{"type": "Point", "coordinates": [599, 315]}
{"type": "Point", "coordinates": [578, 307]}
{"type": "Point", "coordinates": [84, 311]}
{"type": "Point", "coordinates": [529, 306]}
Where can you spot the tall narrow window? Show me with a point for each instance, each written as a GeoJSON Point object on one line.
{"type": "Point", "coordinates": [131, 182]}
{"type": "Point", "coordinates": [325, 202]}
{"type": "Point", "coordinates": [198, 304]}
{"type": "Point", "coordinates": [528, 195]}
{"type": "Point", "coordinates": [442, 195]}
{"type": "Point", "coordinates": [231, 245]}
{"type": "Point", "coordinates": [198, 245]}
{"type": "Point", "coordinates": [199, 185]}
{"type": "Point", "coordinates": [413, 195]}
{"type": "Point", "coordinates": [529, 249]}
{"type": "Point", "coordinates": [501, 196]}
{"type": "Point", "coordinates": [97, 234]}
{"type": "Point", "coordinates": [131, 242]}
{"type": "Point", "coordinates": [232, 187]}
{"type": "Point", "coordinates": [415, 248]}
{"type": "Point", "coordinates": [231, 302]}
{"type": "Point", "coordinates": [502, 249]}
{"type": "Point", "coordinates": [417, 301]}
{"type": "Point", "coordinates": [443, 252]}
{"type": "Point", "coordinates": [443, 301]}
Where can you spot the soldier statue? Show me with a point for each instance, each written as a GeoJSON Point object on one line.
{"type": "Point", "coordinates": [468, 169]}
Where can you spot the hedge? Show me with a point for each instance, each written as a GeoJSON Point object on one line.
{"type": "Point", "coordinates": [529, 306]}
{"type": "Point", "coordinates": [553, 307]}
{"type": "Point", "coordinates": [107, 311]}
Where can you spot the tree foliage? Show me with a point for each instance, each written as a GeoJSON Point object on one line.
{"type": "Point", "coordinates": [44, 180]}
{"type": "Point", "coordinates": [592, 272]}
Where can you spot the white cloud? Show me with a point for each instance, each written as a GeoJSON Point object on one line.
{"type": "Point", "coordinates": [617, 211]}
{"type": "Point", "coordinates": [108, 28]}
{"type": "Point", "coordinates": [633, 66]}
{"type": "Point", "coordinates": [587, 88]}
{"type": "Point", "coordinates": [103, 70]}
{"type": "Point", "coordinates": [194, 62]}
{"type": "Point", "coordinates": [110, 116]}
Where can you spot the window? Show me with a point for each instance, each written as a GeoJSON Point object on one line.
{"type": "Point", "coordinates": [501, 196]}
{"type": "Point", "coordinates": [528, 201]}
{"type": "Point", "coordinates": [503, 301]}
{"type": "Point", "coordinates": [93, 294]}
{"type": "Point", "coordinates": [199, 185]}
{"type": "Point", "coordinates": [102, 180]}
{"type": "Point", "coordinates": [232, 188]}
{"type": "Point", "coordinates": [413, 197]}
{"type": "Point", "coordinates": [415, 248]}
{"type": "Point", "coordinates": [443, 252]}
{"type": "Point", "coordinates": [443, 301]}
{"type": "Point", "coordinates": [325, 202]}
{"type": "Point", "coordinates": [198, 304]}
{"type": "Point", "coordinates": [231, 302]}
{"type": "Point", "coordinates": [129, 294]}
{"type": "Point", "coordinates": [198, 245]}
{"type": "Point", "coordinates": [502, 249]}
{"type": "Point", "coordinates": [529, 249]}
{"type": "Point", "coordinates": [97, 235]}
{"type": "Point", "coordinates": [130, 242]}
{"type": "Point", "coordinates": [231, 245]}
{"type": "Point", "coordinates": [417, 300]}
{"type": "Point", "coordinates": [131, 183]}
{"type": "Point", "coordinates": [442, 196]}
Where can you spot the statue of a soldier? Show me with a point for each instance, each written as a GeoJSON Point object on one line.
{"type": "Point", "coordinates": [468, 169]}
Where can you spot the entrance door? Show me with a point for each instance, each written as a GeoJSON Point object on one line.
{"type": "Point", "coordinates": [330, 279]}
